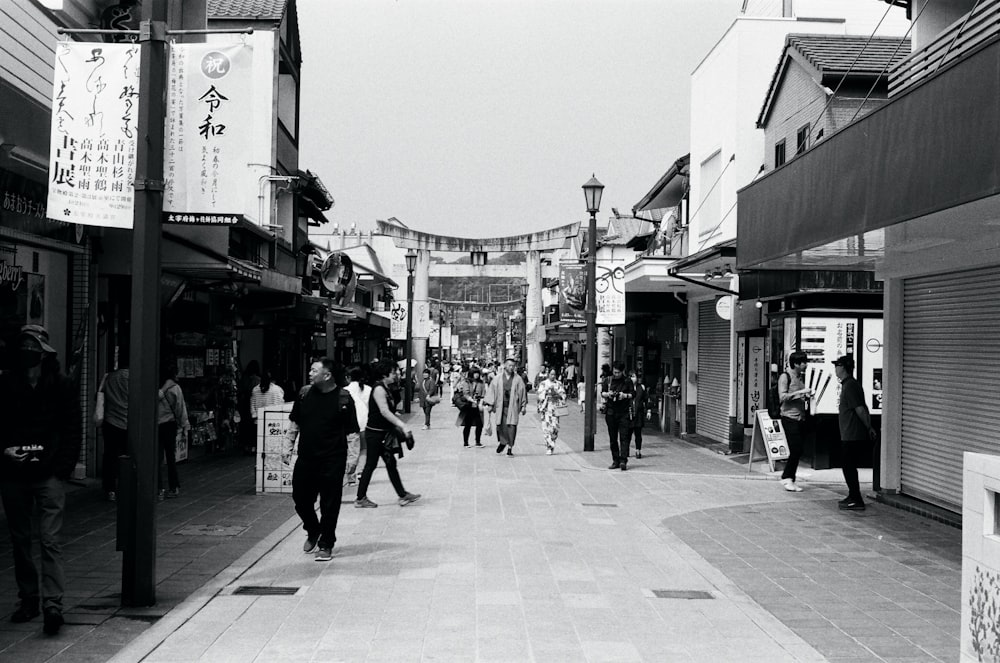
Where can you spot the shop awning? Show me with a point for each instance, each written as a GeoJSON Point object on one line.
{"type": "Point", "coordinates": [926, 154]}
{"type": "Point", "coordinates": [207, 269]}
{"type": "Point", "coordinates": [717, 262]}
{"type": "Point", "coordinates": [669, 190]}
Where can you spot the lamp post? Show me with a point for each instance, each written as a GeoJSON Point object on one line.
{"type": "Point", "coordinates": [592, 191]}
{"type": "Point", "coordinates": [411, 264]}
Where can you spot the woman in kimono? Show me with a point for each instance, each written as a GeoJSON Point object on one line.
{"type": "Point", "coordinates": [551, 394]}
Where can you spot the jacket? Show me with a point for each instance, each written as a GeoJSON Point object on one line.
{"type": "Point", "coordinates": [518, 398]}
{"type": "Point", "coordinates": [47, 415]}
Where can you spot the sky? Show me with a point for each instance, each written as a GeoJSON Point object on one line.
{"type": "Point", "coordinates": [483, 118]}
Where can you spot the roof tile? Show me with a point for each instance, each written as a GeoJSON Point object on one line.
{"type": "Point", "coordinates": [838, 53]}
{"type": "Point", "coordinates": [248, 9]}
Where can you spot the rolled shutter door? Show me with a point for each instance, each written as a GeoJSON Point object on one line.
{"type": "Point", "coordinates": [951, 380]}
{"type": "Point", "coordinates": [713, 373]}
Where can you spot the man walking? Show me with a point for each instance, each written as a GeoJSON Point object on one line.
{"type": "Point", "coordinates": [323, 416]}
{"type": "Point", "coordinates": [507, 397]}
{"type": "Point", "coordinates": [855, 431]}
{"type": "Point", "coordinates": [41, 446]}
{"type": "Point", "coordinates": [617, 394]}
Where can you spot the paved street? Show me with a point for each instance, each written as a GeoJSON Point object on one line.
{"type": "Point", "coordinates": [682, 558]}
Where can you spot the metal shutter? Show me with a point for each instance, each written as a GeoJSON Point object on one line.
{"type": "Point", "coordinates": [951, 380]}
{"type": "Point", "coordinates": [713, 373]}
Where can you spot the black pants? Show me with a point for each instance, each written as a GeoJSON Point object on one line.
{"type": "Point", "coordinates": [427, 407]}
{"type": "Point", "coordinates": [115, 444]}
{"type": "Point", "coordinates": [167, 432]}
{"type": "Point", "coordinates": [637, 432]}
{"type": "Point", "coordinates": [620, 435]}
{"type": "Point", "coordinates": [795, 436]}
{"type": "Point", "coordinates": [470, 423]}
{"type": "Point", "coordinates": [854, 454]}
{"type": "Point", "coordinates": [323, 478]}
{"type": "Point", "coordinates": [375, 450]}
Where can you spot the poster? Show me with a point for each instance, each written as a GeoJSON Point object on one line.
{"type": "Point", "coordinates": [610, 289]}
{"type": "Point", "coordinates": [572, 292]}
{"type": "Point", "coordinates": [209, 115]}
{"type": "Point", "coordinates": [755, 375]}
{"type": "Point", "coordinates": [273, 469]}
{"type": "Point", "coordinates": [397, 321]}
{"type": "Point", "coordinates": [446, 337]}
{"type": "Point", "coordinates": [741, 380]}
{"type": "Point", "coordinates": [92, 148]}
{"type": "Point", "coordinates": [421, 319]}
{"type": "Point", "coordinates": [823, 340]}
{"type": "Point", "coordinates": [871, 362]}
{"type": "Point", "coordinates": [434, 335]}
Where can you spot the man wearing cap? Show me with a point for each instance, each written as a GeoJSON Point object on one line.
{"type": "Point", "coordinates": [855, 431]}
{"type": "Point", "coordinates": [40, 450]}
{"type": "Point", "coordinates": [507, 398]}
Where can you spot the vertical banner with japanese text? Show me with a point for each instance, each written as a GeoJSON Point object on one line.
{"type": "Point", "coordinates": [572, 292]}
{"type": "Point", "coordinates": [610, 289]}
{"type": "Point", "coordinates": [209, 116]}
{"type": "Point", "coordinates": [92, 156]}
{"type": "Point", "coordinates": [397, 321]}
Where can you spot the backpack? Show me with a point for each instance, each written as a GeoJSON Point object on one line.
{"type": "Point", "coordinates": [773, 399]}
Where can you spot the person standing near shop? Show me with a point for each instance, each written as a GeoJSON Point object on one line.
{"type": "Point", "coordinates": [40, 448]}
{"type": "Point", "coordinates": [507, 401]}
{"type": "Point", "coordinates": [360, 394]}
{"type": "Point", "coordinates": [172, 426]}
{"type": "Point", "coordinates": [321, 420]}
{"type": "Point", "coordinates": [429, 396]}
{"type": "Point", "coordinates": [113, 422]}
{"type": "Point", "coordinates": [792, 397]}
{"type": "Point", "coordinates": [264, 394]}
{"type": "Point", "coordinates": [637, 412]}
{"type": "Point", "coordinates": [856, 431]}
{"type": "Point", "coordinates": [382, 420]}
{"type": "Point", "coordinates": [551, 398]}
{"type": "Point", "coordinates": [617, 395]}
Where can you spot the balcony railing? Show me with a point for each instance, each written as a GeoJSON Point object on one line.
{"type": "Point", "coordinates": [960, 39]}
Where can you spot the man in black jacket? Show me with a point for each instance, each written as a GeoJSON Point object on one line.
{"type": "Point", "coordinates": [41, 446]}
{"type": "Point", "coordinates": [618, 392]}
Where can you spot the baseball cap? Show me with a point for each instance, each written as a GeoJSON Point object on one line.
{"type": "Point", "coordinates": [40, 335]}
{"type": "Point", "coordinates": [847, 361]}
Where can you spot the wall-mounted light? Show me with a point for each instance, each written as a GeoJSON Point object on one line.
{"type": "Point", "coordinates": [478, 258]}
{"type": "Point", "coordinates": [759, 304]}
{"type": "Point", "coordinates": [727, 271]}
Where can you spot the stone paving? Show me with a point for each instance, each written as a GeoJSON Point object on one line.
{"type": "Point", "coordinates": [685, 557]}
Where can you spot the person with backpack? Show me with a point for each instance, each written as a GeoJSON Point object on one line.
{"type": "Point", "coordinates": [793, 396]}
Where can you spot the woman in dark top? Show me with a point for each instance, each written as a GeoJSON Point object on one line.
{"type": "Point", "coordinates": [381, 420]}
{"type": "Point", "coordinates": [638, 413]}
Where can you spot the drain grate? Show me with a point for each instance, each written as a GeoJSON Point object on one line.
{"type": "Point", "coordinates": [255, 590]}
{"type": "Point", "coordinates": [682, 594]}
{"type": "Point", "coordinates": [609, 506]}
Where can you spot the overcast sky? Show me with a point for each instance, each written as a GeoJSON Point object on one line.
{"type": "Point", "coordinates": [484, 118]}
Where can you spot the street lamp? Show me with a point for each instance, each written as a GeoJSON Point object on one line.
{"type": "Point", "coordinates": [592, 191]}
{"type": "Point", "coordinates": [411, 264]}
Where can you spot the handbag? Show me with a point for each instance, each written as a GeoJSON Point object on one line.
{"type": "Point", "coordinates": [433, 400]}
{"type": "Point", "coordinates": [562, 410]}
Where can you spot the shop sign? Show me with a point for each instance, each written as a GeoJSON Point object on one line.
{"type": "Point", "coordinates": [11, 276]}
{"type": "Point", "coordinates": [572, 292]}
{"type": "Point", "coordinates": [18, 204]}
{"type": "Point", "coordinates": [397, 321]}
{"type": "Point", "coordinates": [209, 116]}
{"type": "Point", "coordinates": [609, 287]}
{"type": "Point", "coordinates": [724, 307]}
{"type": "Point", "coordinates": [93, 138]}
{"type": "Point", "coordinates": [823, 340]}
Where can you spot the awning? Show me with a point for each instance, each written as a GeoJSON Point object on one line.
{"type": "Point", "coordinates": [669, 190]}
{"type": "Point", "coordinates": [928, 157]}
{"type": "Point", "coordinates": [652, 274]}
{"type": "Point", "coordinates": [718, 261]}
{"type": "Point", "coordinates": [207, 269]}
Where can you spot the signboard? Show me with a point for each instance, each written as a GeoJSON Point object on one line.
{"type": "Point", "coordinates": [397, 321]}
{"type": "Point", "coordinates": [572, 292]}
{"type": "Point", "coordinates": [92, 148]}
{"type": "Point", "coordinates": [741, 380]}
{"type": "Point", "coordinates": [273, 471]}
{"type": "Point", "coordinates": [446, 337]}
{"type": "Point", "coordinates": [823, 340]}
{"type": "Point", "coordinates": [421, 319]}
{"type": "Point", "coordinates": [755, 375]}
{"type": "Point", "coordinates": [724, 307]}
{"type": "Point", "coordinates": [871, 362]}
{"type": "Point", "coordinates": [434, 335]}
{"type": "Point", "coordinates": [209, 114]}
{"type": "Point", "coordinates": [610, 289]}
{"type": "Point", "coordinates": [768, 435]}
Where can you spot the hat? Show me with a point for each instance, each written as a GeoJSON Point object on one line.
{"type": "Point", "coordinates": [847, 361]}
{"type": "Point", "coordinates": [40, 335]}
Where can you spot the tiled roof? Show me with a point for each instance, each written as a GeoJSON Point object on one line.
{"type": "Point", "coordinates": [837, 53]}
{"type": "Point", "coordinates": [248, 9]}
{"type": "Point", "coordinates": [624, 229]}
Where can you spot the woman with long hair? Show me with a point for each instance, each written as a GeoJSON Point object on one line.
{"type": "Point", "coordinates": [382, 420]}
{"type": "Point", "coordinates": [551, 395]}
{"type": "Point", "coordinates": [638, 418]}
{"type": "Point", "coordinates": [172, 424]}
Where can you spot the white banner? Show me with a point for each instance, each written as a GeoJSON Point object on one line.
{"type": "Point", "coordinates": [421, 319]}
{"type": "Point", "coordinates": [208, 126]}
{"type": "Point", "coordinates": [433, 335]}
{"type": "Point", "coordinates": [397, 321]}
{"type": "Point", "coordinates": [92, 155]}
{"type": "Point", "coordinates": [446, 336]}
{"type": "Point", "coordinates": [610, 290]}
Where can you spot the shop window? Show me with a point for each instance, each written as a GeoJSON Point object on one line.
{"type": "Point", "coordinates": [779, 153]}
{"type": "Point", "coordinates": [802, 140]}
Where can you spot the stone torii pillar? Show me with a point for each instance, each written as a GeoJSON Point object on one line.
{"type": "Point", "coordinates": [421, 286]}
{"type": "Point", "coordinates": [534, 325]}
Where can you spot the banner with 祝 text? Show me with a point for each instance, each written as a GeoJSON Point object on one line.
{"type": "Point", "coordinates": [92, 162]}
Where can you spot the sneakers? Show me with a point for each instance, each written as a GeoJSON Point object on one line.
{"type": "Point", "coordinates": [365, 503]}
{"type": "Point", "coordinates": [500, 447]}
{"type": "Point", "coordinates": [790, 486]}
{"type": "Point", "coordinates": [408, 498]}
{"type": "Point", "coordinates": [162, 495]}
{"type": "Point", "coordinates": [510, 451]}
{"type": "Point", "coordinates": [324, 555]}
{"type": "Point", "coordinates": [112, 496]}
{"type": "Point", "coordinates": [614, 466]}
{"type": "Point", "coordinates": [310, 544]}
{"type": "Point", "coordinates": [25, 613]}
{"type": "Point", "coordinates": [548, 452]}
{"type": "Point", "coordinates": [638, 454]}
{"type": "Point", "coordinates": [624, 466]}
{"type": "Point", "coordinates": [174, 492]}
{"type": "Point", "coordinates": [425, 427]}
{"type": "Point", "coordinates": [479, 444]}
{"type": "Point", "coordinates": [852, 505]}
{"type": "Point", "coordinates": [53, 621]}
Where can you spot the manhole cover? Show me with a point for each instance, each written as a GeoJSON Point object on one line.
{"type": "Point", "coordinates": [681, 594]}
{"type": "Point", "coordinates": [610, 506]}
{"type": "Point", "coordinates": [253, 590]}
{"type": "Point", "coordinates": [212, 530]}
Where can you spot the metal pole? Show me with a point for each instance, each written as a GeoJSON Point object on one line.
{"type": "Point", "coordinates": [331, 330]}
{"type": "Point", "coordinates": [590, 378]}
{"type": "Point", "coordinates": [139, 559]}
{"type": "Point", "coordinates": [409, 343]}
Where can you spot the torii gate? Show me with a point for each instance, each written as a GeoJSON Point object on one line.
{"type": "Point", "coordinates": [532, 245]}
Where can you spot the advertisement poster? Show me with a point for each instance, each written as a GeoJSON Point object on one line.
{"type": "Point", "coordinates": [610, 289]}
{"type": "Point", "coordinates": [209, 106]}
{"type": "Point", "coordinates": [572, 292]}
{"type": "Point", "coordinates": [92, 149]}
{"type": "Point", "coordinates": [871, 364]}
{"type": "Point", "coordinates": [823, 340]}
{"type": "Point", "coordinates": [397, 321]}
{"type": "Point", "coordinates": [274, 470]}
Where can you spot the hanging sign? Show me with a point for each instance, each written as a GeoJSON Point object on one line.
{"type": "Point", "coordinates": [421, 319]}
{"type": "Point", "coordinates": [397, 321]}
{"type": "Point", "coordinates": [572, 292]}
{"type": "Point", "coordinates": [446, 337]}
{"type": "Point", "coordinates": [769, 435]}
{"type": "Point", "coordinates": [209, 119]}
{"type": "Point", "coordinates": [92, 148]}
{"type": "Point", "coordinates": [610, 288]}
{"type": "Point", "coordinates": [724, 307]}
